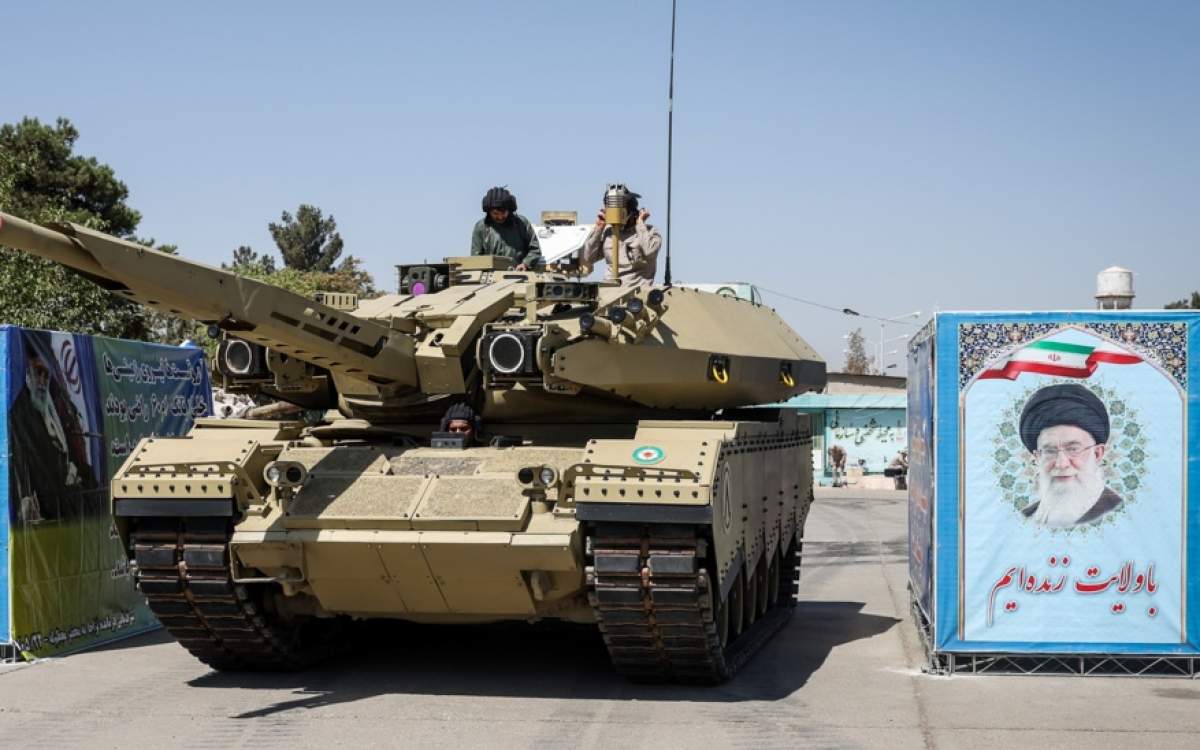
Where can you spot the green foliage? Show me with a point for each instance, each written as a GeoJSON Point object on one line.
{"type": "Point", "coordinates": [307, 283]}
{"type": "Point", "coordinates": [347, 277]}
{"type": "Point", "coordinates": [309, 241]}
{"type": "Point", "coordinates": [42, 180]}
{"type": "Point", "coordinates": [857, 361]}
{"type": "Point", "coordinates": [1186, 304]}
{"type": "Point", "coordinates": [245, 259]}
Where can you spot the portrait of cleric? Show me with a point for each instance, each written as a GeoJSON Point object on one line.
{"type": "Point", "coordinates": [52, 477]}
{"type": "Point", "coordinates": [1066, 428]}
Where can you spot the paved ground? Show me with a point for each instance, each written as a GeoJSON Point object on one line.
{"type": "Point", "coordinates": [843, 674]}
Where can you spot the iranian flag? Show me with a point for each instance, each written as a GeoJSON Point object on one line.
{"type": "Point", "coordinates": [1057, 358]}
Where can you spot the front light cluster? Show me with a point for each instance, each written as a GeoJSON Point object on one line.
{"type": "Point", "coordinates": [538, 476]}
{"type": "Point", "coordinates": [285, 474]}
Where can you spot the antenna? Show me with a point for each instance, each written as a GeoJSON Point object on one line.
{"type": "Point", "coordinates": [670, 132]}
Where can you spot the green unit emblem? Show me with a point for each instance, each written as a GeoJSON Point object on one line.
{"type": "Point", "coordinates": [648, 454]}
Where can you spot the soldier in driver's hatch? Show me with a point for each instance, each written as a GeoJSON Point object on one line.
{"type": "Point", "coordinates": [502, 231]}
{"type": "Point", "coordinates": [639, 246]}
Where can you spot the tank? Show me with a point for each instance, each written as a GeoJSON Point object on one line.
{"type": "Point", "coordinates": [615, 475]}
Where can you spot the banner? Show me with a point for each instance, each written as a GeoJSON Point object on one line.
{"type": "Point", "coordinates": [1066, 513]}
{"type": "Point", "coordinates": [75, 407]}
{"type": "Point", "coordinates": [920, 467]}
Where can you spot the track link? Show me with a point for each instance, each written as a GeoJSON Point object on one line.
{"type": "Point", "coordinates": [183, 570]}
{"type": "Point", "coordinates": [658, 607]}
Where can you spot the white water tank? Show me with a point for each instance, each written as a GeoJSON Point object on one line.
{"type": "Point", "coordinates": [1114, 288]}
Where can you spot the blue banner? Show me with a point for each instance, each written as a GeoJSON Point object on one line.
{"type": "Point", "coordinates": [74, 408]}
{"type": "Point", "coordinates": [5, 594]}
{"type": "Point", "coordinates": [920, 468]}
{"type": "Point", "coordinates": [1066, 482]}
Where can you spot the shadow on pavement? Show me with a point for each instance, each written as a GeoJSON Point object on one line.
{"type": "Point", "coordinates": [545, 660]}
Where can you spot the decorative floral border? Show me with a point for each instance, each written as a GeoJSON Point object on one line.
{"type": "Point", "coordinates": [981, 344]}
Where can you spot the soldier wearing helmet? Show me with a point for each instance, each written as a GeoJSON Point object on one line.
{"type": "Point", "coordinates": [639, 246]}
{"type": "Point", "coordinates": [502, 231]}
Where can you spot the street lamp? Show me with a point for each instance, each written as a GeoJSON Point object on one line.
{"type": "Point", "coordinates": [894, 319]}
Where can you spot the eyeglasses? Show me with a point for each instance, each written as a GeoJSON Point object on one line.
{"type": "Point", "coordinates": [1072, 452]}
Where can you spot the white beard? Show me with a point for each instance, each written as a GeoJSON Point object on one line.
{"type": "Point", "coordinates": [1064, 503]}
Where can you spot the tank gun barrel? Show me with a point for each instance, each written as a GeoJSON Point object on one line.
{"type": "Point", "coordinates": [253, 310]}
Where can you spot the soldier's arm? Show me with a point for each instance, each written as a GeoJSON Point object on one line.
{"type": "Point", "coordinates": [593, 247]}
{"type": "Point", "coordinates": [477, 239]}
{"type": "Point", "coordinates": [533, 253]}
{"type": "Point", "coordinates": [648, 242]}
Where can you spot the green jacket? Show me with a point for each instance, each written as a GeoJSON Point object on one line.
{"type": "Point", "coordinates": [514, 239]}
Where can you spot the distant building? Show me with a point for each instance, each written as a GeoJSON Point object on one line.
{"type": "Point", "coordinates": [1114, 289]}
{"type": "Point", "coordinates": [864, 414]}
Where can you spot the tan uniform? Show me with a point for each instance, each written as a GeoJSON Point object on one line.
{"type": "Point", "coordinates": [639, 252]}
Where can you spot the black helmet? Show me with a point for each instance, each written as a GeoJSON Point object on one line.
{"type": "Point", "coordinates": [499, 197]}
{"type": "Point", "coordinates": [461, 411]}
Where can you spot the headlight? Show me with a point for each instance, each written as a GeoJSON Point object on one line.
{"type": "Point", "coordinates": [537, 476]}
{"type": "Point", "coordinates": [242, 360]}
{"type": "Point", "coordinates": [506, 353]}
{"type": "Point", "coordinates": [510, 354]}
{"type": "Point", "coordinates": [285, 473]}
{"type": "Point", "coordinates": [239, 358]}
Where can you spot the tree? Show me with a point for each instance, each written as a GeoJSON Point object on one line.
{"type": "Point", "coordinates": [245, 259]}
{"type": "Point", "coordinates": [1186, 304]}
{"type": "Point", "coordinates": [857, 361]}
{"type": "Point", "coordinates": [349, 276]}
{"type": "Point", "coordinates": [307, 242]}
{"type": "Point", "coordinates": [43, 180]}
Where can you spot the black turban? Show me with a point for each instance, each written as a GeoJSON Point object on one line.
{"type": "Point", "coordinates": [1063, 404]}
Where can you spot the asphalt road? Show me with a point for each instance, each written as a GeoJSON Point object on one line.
{"type": "Point", "coordinates": [844, 673]}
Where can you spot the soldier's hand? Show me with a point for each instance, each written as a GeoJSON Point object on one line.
{"type": "Point", "coordinates": [643, 215]}
{"type": "Point", "coordinates": [600, 219]}
{"type": "Point", "coordinates": [521, 267]}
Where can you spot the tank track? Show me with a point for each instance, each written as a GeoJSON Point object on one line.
{"type": "Point", "coordinates": [182, 568]}
{"type": "Point", "coordinates": [654, 598]}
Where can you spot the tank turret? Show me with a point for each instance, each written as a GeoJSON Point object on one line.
{"type": "Point", "coordinates": [519, 333]}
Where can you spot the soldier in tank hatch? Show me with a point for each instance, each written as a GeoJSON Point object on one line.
{"type": "Point", "coordinates": [1066, 428]}
{"type": "Point", "coordinates": [502, 231]}
{"type": "Point", "coordinates": [640, 243]}
{"type": "Point", "coordinates": [462, 419]}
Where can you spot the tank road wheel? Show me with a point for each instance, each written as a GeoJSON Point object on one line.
{"type": "Point", "coordinates": [749, 598]}
{"type": "Point", "coordinates": [773, 577]}
{"type": "Point", "coordinates": [735, 601]}
{"type": "Point", "coordinates": [721, 618]}
{"type": "Point", "coordinates": [761, 586]}
{"type": "Point", "coordinates": [789, 575]}
{"type": "Point", "coordinates": [183, 571]}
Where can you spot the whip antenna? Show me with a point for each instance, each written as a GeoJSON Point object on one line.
{"type": "Point", "coordinates": [670, 132]}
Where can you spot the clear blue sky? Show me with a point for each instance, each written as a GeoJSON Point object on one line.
{"type": "Point", "coordinates": [884, 156]}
